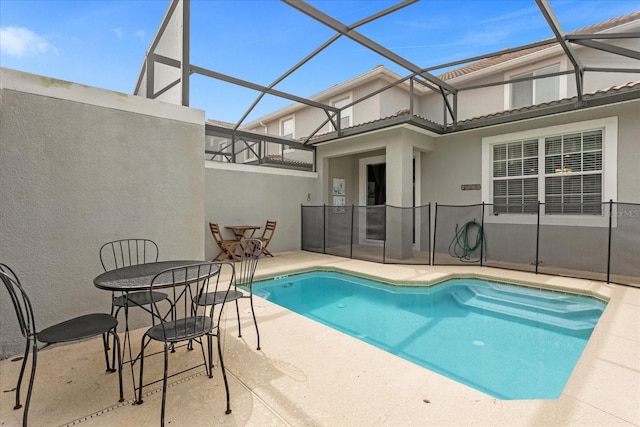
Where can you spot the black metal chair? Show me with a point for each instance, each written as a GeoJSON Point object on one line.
{"type": "Point", "coordinates": [250, 251]}
{"type": "Point", "coordinates": [76, 329]}
{"type": "Point", "coordinates": [123, 253]}
{"type": "Point", "coordinates": [190, 322]}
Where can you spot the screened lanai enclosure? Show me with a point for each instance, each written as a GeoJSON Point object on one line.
{"type": "Point", "coordinates": [167, 73]}
{"type": "Point", "coordinates": [577, 213]}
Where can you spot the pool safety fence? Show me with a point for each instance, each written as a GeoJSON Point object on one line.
{"type": "Point", "coordinates": [596, 241]}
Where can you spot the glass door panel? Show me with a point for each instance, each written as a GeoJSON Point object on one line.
{"type": "Point", "coordinates": [376, 199]}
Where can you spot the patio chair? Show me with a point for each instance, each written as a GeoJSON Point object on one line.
{"type": "Point", "coordinates": [76, 329]}
{"type": "Point", "coordinates": [227, 247]}
{"type": "Point", "coordinates": [124, 253]}
{"type": "Point", "coordinates": [267, 235]}
{"type": "Point", "coordinates": [190, 322]}
{"type": "Point", "coordinates": [250, 250]}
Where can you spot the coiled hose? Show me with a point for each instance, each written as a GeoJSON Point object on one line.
{"type": "Point", "coordinates": [460, 247]}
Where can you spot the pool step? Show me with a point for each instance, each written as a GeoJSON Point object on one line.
{"type": "Point", "coordinates": [556, 310]}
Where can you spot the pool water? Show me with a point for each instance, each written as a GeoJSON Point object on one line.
{"type": "Point", "coordinates": [508, 341]}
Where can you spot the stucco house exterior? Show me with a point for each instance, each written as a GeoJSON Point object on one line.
{"type": "Point", "coordinates": [570, 146]}
{"type": "Point", "coordinates": [409, 140]}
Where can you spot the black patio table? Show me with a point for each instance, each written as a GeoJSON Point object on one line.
{"type": "Point", "coordinates": [138, 278]}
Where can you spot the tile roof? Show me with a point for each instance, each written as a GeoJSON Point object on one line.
{"type": "Point", "coordinates": [399, 113]}
{"type": "Point", "coordinates": [221, 123]}
{"type": "Point", "coordinates": [406, 112]}
{"type": "Point", "coordinates": [495, 60]}
{"type": "Point", "coordinates": [276, 159]}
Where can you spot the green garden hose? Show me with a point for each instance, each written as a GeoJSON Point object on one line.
{"type": "Point", "coordinates": [460, 247]}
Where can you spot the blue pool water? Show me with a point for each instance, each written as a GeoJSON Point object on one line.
{"type": "Point", "coordinates": [508, 341]}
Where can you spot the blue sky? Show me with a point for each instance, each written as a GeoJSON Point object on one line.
{"type": "Point", "coordinates": [102, 43]}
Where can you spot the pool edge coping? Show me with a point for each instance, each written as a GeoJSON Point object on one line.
{"type": "Point", "coordinates": [447, 276]}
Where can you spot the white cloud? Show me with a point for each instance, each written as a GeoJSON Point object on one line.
{"type": "Point", "coordinates": [17, 41]}
{"type": "Point", "coordinates": [118, 32]}
{"type": "Point", "coordinates": [139, 34]}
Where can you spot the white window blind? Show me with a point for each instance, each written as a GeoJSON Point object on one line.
{"type": "Point", "coordinates": [573, 173]}
{"type": "Point", "coordinates": [515, 177]}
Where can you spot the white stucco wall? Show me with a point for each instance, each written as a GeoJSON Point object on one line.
{"type": "Point", "coordinates": [81, 166]}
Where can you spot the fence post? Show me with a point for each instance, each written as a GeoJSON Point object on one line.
{"type": "Point", "coordinates": [384, 241]}
{"type": "Point", "coordinates": [324, 228]}
{"type": "Point", "coordinates": [429, 233]}
{"type": "Point", "coordinates": [482, 229]}
{"type": "Point", "coordinates": [537, 237]}
{"type": "Point", "coordinates": [609, 243]}
{"type": "Point", "coordinates": [435, 228]}
{"type": "Point", "coordinates": [351, 234]}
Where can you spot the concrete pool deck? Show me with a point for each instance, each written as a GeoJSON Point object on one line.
{"type": "Point", "coordinates": [308, 374]}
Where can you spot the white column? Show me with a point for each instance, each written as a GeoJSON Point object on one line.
{"type": "Point", "coordinates": [400, 194]}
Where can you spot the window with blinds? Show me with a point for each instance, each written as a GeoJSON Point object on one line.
{"type": "Point", "coordinates": [515, 177]}
{"type": "Point", "coordinates": [571, 181]}
{"type": "Point", "coordinates": [573, 173]}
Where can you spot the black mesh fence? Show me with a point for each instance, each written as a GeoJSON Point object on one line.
{"type": "Point", "coordinates": [625, 243]}
{"type": "Point", "coordinates": [579, 251]}
{"type": "Point", "coordinates": [312, 228]}
{"type": "Point", "coordinates": [369, 229]}
{"type": "Point", "coordinates": [604, 245]}
{"type": "Point", "coordinates": [384, 234]}
{"type": "Point", "coordinates": [338, 230]}
{"type": "Point", "coordinates": [458, 236]}
{"type": "Point", "coordinates": [511, 246]}
{"type": "Point", "coordinates": [408, 236]}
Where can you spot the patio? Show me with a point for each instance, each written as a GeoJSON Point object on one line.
{"type": "Point", "coordinates": [308, 374]}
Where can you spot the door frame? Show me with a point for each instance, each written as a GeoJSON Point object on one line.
{"type": "Point", "coordinates": [362, 194]}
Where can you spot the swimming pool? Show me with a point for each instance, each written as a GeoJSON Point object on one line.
{"type": "Point", "coordinates": [508, 341]}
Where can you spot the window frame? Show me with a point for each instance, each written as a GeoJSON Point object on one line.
{"type": "Point", "coordinates": [249, 154]}
{"type": "Point", "coordinates": [281, 122]}
{"type": "Point", "coordinates": [338, 99]}
{"type": "Point", "coordinates": [609, 126]}
{"type": "Point", "coordinates": [562, 80]}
